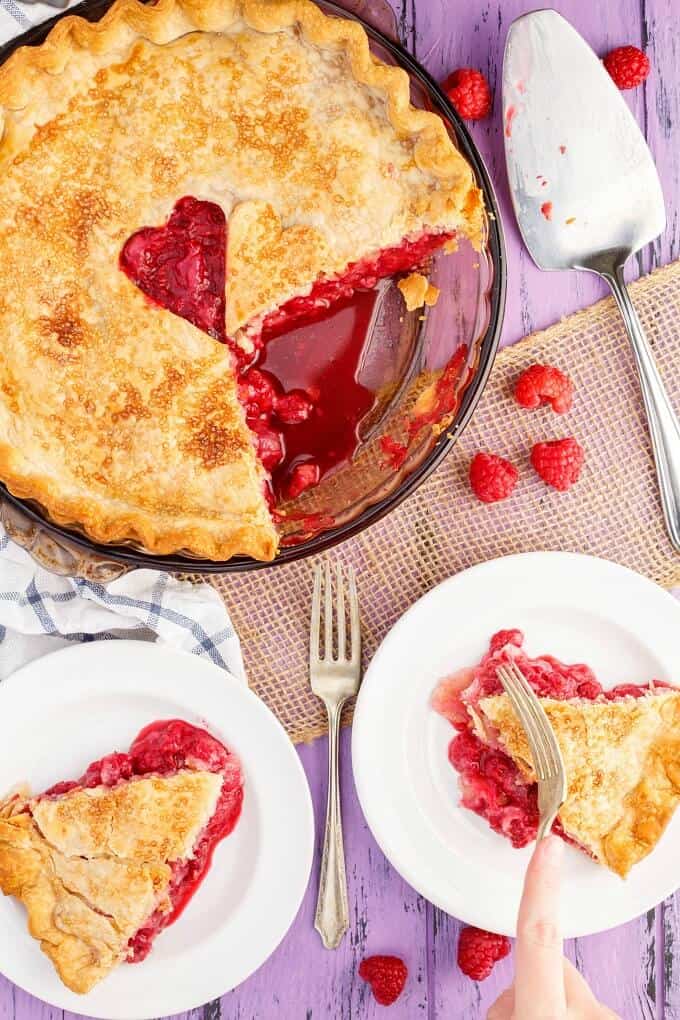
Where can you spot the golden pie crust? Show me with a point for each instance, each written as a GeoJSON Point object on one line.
{"type": "Point", "coordinates": [91, 866]}
{"type": "Point", "coordinates": [622, 760]}
{"type": "Point", "coordinates": [118, 416]}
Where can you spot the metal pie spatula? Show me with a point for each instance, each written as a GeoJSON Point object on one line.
{"type": "Point", "coordinates": [586, 192]}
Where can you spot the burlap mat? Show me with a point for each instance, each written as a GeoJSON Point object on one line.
{"type": "Point", "coordinates": [612, 512]}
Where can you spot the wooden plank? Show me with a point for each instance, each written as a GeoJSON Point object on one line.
{"type": "Point", "coordinates": [671, 957]}
{"type": "Point", "coordinates": [621, 967]}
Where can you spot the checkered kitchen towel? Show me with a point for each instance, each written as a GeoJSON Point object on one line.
{"type": "Point", "coordinates": [40, 612]}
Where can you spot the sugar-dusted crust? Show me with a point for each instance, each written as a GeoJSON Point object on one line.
{"type": "Point", "coordinates": [91, 866]}
{"type": "Point", "coordinates": [622, 760]}
{"type": "Point", "coordinates": [116, 415]}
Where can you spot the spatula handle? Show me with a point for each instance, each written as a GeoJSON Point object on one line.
{"type": "Point", "coordinates": [664, 427]}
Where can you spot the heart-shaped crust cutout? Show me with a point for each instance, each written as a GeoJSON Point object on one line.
{"type": "Point", "coordinates": [182, 265]}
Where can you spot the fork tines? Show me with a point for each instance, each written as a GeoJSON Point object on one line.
{"type": "Point", "coordinates": [545, 751]}
{"type": "Point", "coordinates": [322, 596]}
{"type": "Point", "coordinates": [542, 741]}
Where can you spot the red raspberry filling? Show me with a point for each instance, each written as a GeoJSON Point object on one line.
{"type": "Point", "coordinates": [628, 66]}
{"type": "Point", "coordinates": [361, 275]}
{"type": "Point", "coordinates": [558, 462]}
{"type": "Point", "coordinates": [163, 748]}
{"type": "Point", "coordinates": [490, 782]}
{"type": "Point", "coordinates": [182, 266]}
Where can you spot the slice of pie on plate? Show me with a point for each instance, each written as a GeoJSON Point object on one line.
{"type": "Point", "coordinates": [621, 750]}
{"type": "Point", "coordinates": [104, 863]}
{"type": "Point", "coordinates": [180, 180]}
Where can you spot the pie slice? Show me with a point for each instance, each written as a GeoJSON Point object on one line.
{"type": "Point", "coordinates": [104, 863]}
{"type": "Point", "coordinates": [181, 181]}
{"type": "Point", "coordinates": [621, 750]}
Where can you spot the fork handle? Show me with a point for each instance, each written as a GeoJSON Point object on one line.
{"type": "Point", "coordinates": [332, 912]}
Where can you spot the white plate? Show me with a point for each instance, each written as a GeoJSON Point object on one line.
{"type": "Point", "coordinates": [60, 713]}
{"type": "Point", "coordinates": [578, 608]}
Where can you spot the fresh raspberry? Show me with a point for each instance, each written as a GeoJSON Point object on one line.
{"type": "Point", "coordinates": [469, 93]}
{"type": "Point", "coordinates": [465, 751]}
{"type": "Point", "coordinates": [491, 477]}
{"type": "Point", "coordinates": [628, 66]}
{"type": "Point", "coordinates": [479, 950]}
{"type": "Point", "coordinates": [386, 975]}
{"type": "Point", "coordinates": [558, 462]}
{"type": "Point", "coordinates": [544, 384]}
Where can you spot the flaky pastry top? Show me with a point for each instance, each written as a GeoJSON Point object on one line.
{"type": "Point", "coordinates": [92, 866]}
{"type": "Point", "coordinates": [622, 760]}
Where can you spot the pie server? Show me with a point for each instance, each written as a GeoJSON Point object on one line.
{"type": "Point", "coordinates": [566, 124]}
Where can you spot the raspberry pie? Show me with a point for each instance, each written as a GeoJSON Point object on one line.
{"type": "Point", "coordinates": [104, 863]}
{"type": "Point", "coordinates": [180, 182]}
{"type": "Point", "coordinates": [621, 750]}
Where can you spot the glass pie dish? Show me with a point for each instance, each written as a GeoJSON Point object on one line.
{"type": "Point", "coordinates": [415, 378]}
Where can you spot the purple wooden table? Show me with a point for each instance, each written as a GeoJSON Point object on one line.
{"type": "Point", "coordinates": [634, 969]}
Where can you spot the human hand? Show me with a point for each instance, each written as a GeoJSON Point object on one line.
{"type": "Point", "coordinates": [547, 986]}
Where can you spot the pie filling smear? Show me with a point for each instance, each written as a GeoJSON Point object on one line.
{"type": "Point", "coordinates": [104, 863]}
{"type": "Point", "coordinates": [183, 266]}
{"type": "Point", "coordinates": [621, 749]}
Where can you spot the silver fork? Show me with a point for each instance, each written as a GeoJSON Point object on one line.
{"type": "Point", "coordinates": [545, 751]}
{"type": "Point", "coordinates": [334, 680]}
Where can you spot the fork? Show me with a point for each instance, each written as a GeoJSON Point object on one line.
{"type": "Point", "coordinates": [334, 680]}
{"type": "Point", "coordinates": [545, 751]}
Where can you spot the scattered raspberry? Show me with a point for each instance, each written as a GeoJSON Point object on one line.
{"type": "Point", "coordinates": [479, 950]}
{"type": "Point", "coordinates": [469, 93]}
{"type": "Point", "coordinates": [386, 975]}
{"type": "Point", "coordinates": [547, 210]}
{"type": "Point", "coordinates": [257, 392]}
{"type": "Point", "coordinates": [628, 66]}
{"type": "Point", "coordinates": [590, 689]}
{"type": "Point", "coordinates": [559, 462]}
{"type": "Point", "coordinates": [465, 751]}
{"type": "Point", "coordinates": [492, 478]}
{"type": "Point", "coordinates": [545, 384]}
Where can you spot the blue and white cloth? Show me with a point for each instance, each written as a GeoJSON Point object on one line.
{"type": "Point", "coordinates": [41, 612]}
{"type": "Point", "coordinates": [18, 17]}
